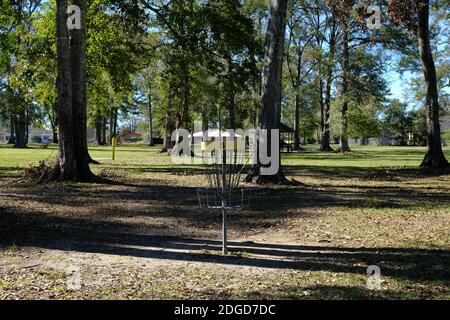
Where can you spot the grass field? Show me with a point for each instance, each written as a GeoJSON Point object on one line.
{"type": "Point", "coordinates": [143, 237]}
{"type": "Point", "coordinates": [139, 158]}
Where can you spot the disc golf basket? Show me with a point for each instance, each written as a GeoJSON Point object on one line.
{"type": "Point", "coordinates": [224, 158]}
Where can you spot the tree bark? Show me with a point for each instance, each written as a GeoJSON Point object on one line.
{"type": "Point", "coordinates": [111, 127]}
{"type": "Point", "coordinates": [272, 85]}
{"type": "Point", "coordinates": [12, 135]}
{"type": "Point", "coordinates": [78, 58]}
{"type": "Point", "coordinates": [27, 125]}
{"type": "Point", "coordinates": [74, 159]}
{"type": "Point", "coordinates": [150, 121]}
{"type": "Point", "coordinates": [55, 135]}
{"type": "Point", "coordinates": [297, 121]}
{"type": "Point", "coordinates": [103, 131]}
{"type": "Point", "coordinates": [298, 103]}
{"type": "Point", "coordinates": [54, 123]}
{"type": "Point", "coordinates": [325, 140]}
{"type": "Point", "coordinates": [230, 94]}
{"type": "Point", "coordinates": [435, 157]}
{"type": "Point", "coordinates": [20, 125]}
{"type": "Point", "coordinates": [66, 167]}
{"type": "Point", "coordinates": [98, 129]}
{"type": "Point", "coordinates": [184, 115]}
{"type": "Point", "coordinates": [168, 129]}
{"type": "Point", "coordinates": [345, 148]}
{"type": "Point", "coordinates": [322, 106]}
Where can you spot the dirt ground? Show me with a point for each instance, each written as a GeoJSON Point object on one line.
{"type": "Point", "coordinates": [147, 239]}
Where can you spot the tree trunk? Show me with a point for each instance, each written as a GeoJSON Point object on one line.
{"type": "Point", "coordinates": [345, 84]}
{"type": "Point", "coordinates": [230, 94]}
{"type": "Point", "coordinates": [231, 106]}
{"type": "Point", "coordinates": [168, 129]}
{"type": "Point", "coordinates": [184, 116]}
{"type": "Point", "coordinates": [325, 139]}
{"type": "Point", "coordinates": [296, 86]}
{"type": "Point", "coordinates": [98, 129]}
{"type": "Point", "coordinates": [66, 167]}
{"type": "Point", "coordinates": [205, 123]}
{"type": "Point", "coordinates": [74, 158]}
{"type": "Point", "coordinates": [55, 135]}
{"type": "Point", "coordinates": [27, 126]}
{"type": "Point", "coordinates": [103, 131]}
{"type": "Point", "coordinates": [78, 58]}
{"type": "Point", "coordinates": [297, 122]}
{"type": "Point", "coordinates": [12, 137]}
{"type": "Point", "coordinates": [115, 114]}
{"type": "Point", "coordinates": [150, 121]}
{"type": "Point", "coordinates": [111, 127]}
{"type": "Point", "coordinates": [54, 123]}
{"type": "Point", "coordinates": [322, 107]}
{"type": "Point", "coordinates": [20, 129]}
{"type": "Point", "coordinates": [435, 157]}
{"type": "Point", "coordinates": [272, 86]}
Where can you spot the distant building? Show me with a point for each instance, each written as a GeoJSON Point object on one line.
{"type": "Point", "coordinates": [4, 137]}
{"type": "Point", "coordinates": [91, 138]}
{"type": "Point", "coordinates": [131, 137]}
{"type": "Point", "coordinates": [445, 125]}
{"type": "Point", "coordinates": [445, 130]}
{"type": "Point", "coordinates": [44, 136]}
{"type": "Point", "coordinates": [40, 136]}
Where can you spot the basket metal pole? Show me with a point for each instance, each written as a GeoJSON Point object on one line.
{"type": "Point", "coordinates": [224, 202]}
{"type": "Point", "coordinates": [224, 230]}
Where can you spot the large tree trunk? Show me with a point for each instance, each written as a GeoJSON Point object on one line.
{"type": "Point", "coordinates": [78, 58]}
{"type": "Point", "coordinates": [435, 157]}
{"type": "Point", "coordinates": [345, 86]}
{"type": "Point", "coordinates": [66, 167]}
{"type": "Point", "coordinates": [12, 135]}
{"type": "Point", "coordinates": [74, 158]}
{"type": "Point", "coordinates": [272, 85]}
{"type": "Point", "coordinates": [20, 125]}
{"type": "Point", "coordinates": [325, 139]}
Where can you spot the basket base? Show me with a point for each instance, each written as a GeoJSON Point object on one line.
{"type": "Point", "coordinates": [233, 200]}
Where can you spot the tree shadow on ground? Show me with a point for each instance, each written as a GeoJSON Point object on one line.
{"type": "Point", "coordinates": [333, 292]}
{"type": "Point", "coordinates": [281, 199]}
{"type": "Point", "coordinates": [116, 238]}
{"type": "Point", "coordinates": [365, 173]}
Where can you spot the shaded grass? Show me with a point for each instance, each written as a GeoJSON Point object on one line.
{"type": "Point", "coordinates": [317, 239]}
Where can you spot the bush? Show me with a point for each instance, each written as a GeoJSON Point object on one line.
{"type": "Point", "coordinates": [41, 172]}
